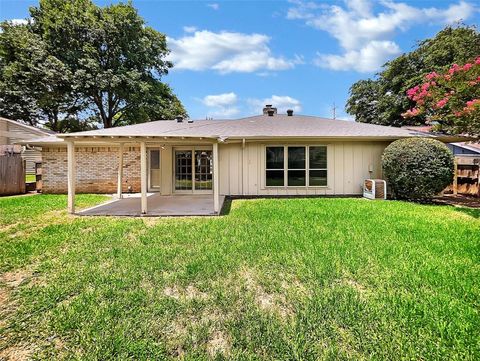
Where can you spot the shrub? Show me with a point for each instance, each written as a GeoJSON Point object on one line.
{"type": "Point", "coordinates": [417, 168]}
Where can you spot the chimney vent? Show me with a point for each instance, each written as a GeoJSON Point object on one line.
{"type": "Point", "coordinates": [290, 112]}
{"type": "Point", "coordinates": [179, 119]}
{"type": "Point", "coordinates": [269, 108]}
{"type": "Point", "coordinates": [271, 112]}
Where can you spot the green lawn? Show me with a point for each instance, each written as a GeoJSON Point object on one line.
{"type": "Point", "coordinates": [274, 279]}
{"type": "Point", "coordinates": [30, 178]}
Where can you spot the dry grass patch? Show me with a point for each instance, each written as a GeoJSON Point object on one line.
{"type": "Point", "coordinates": [269, 302]}
{"type": "Point", "coordinates": [19, 352]}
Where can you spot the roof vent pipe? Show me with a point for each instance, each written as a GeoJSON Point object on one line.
{"type": "Point", "coordinates": [290, 112]}
{"type": "Point", "coordinates": [270, 112]}
{"type": "Point", "coordinates": [269, 107]}
{"type": "Point", "coordinates": [179, 119]}
{"type": "Point", "coordinates": [190, 121]}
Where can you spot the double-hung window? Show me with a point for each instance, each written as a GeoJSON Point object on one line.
{"type": "Point", "coordinates": [296, 166]}
{"type": "Point", "coordinates": [317, 167]}
{"type": "Point", "coordinates": [275, 166]}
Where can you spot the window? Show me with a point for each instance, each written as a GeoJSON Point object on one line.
{"type": "Point", "coordinates": [275, 166]}
{"type": "Point", "coordinates": [305, 165]}
{"type": "Point", "coordinates": [317, 166]}
{"type": "Point", "coordinates": [296, 166]}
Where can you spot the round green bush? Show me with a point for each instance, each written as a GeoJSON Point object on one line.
{"type": "Point", "coordinates": [417, 168]}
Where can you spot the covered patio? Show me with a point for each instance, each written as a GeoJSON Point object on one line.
{"type": "Point", "coordinates": [158, 205]}
{"type": "Point", "coordinates": [188, 195]}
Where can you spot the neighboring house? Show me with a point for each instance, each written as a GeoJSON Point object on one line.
{"type": "Point", "coordinates": [461, 148]}
{"type": "Point", "coordinates": [270, 154]}
{"type": "Point", "coordinates": [465, 148]}
{"type": "Point", "coordinates": [12, 132]}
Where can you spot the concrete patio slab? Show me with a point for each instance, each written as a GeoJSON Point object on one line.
{"type": "Point", "coordinates": [176, 205]}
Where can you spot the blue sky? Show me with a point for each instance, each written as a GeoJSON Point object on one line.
{"type": "Point", "coordinates": [234, 56]}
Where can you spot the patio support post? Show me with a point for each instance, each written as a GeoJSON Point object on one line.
{"type": "Point", "coordinates": [143, 175]}
{"type": "Point", "coordinates": [216, 200]}
{"type": "Point", "coordinates": [120, 171]}
{"type": "Point", "coordinates": [71, 176]}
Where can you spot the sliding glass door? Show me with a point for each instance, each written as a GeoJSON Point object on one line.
{"type": "Point", "coordinates": [193, 170]}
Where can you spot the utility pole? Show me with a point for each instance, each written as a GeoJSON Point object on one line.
{"type": "Point", "coordinates": [334, 111]}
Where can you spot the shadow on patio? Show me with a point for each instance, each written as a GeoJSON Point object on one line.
{"type": "Point", "coordinates": [158, 205]}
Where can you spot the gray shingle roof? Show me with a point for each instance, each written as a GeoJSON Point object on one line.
{"type": "Point", "coordinates": [262, 126]}
{"type": "Point", "coordinates": [256, 127]}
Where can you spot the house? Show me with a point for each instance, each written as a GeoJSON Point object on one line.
{"type": "Point", "coordinates": [266, 155]}
{"type": "Point", "coordinates": [12, 132]}
{"type": "Point", "coordinates": [465, 149]}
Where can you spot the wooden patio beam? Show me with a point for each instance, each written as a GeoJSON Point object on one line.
{"type": "Point", "coordinates": [143, 175]}
{"type": "Point", "coordinates": [120, 171]}
{"type": "Point", "coordinates": [71, 176]}
{"type": "Point", "coordinates": [216, 193]}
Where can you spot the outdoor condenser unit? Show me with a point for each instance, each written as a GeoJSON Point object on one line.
{"type": "Point", "coordinates": [375, 189]}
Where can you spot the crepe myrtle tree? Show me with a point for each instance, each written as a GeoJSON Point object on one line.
{"type": "Point", "coordinates": [450, 100]}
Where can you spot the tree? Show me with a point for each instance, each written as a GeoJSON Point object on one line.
{"type": "Point", "coordinates": [117, 61]}
{"type": "Point", "coordinates": [417, 168]}
{"type": "Point", "coordinates": [35, 87]}
{"type": "Point", "coordinates": [388, 89]}
{"type": "Point", "coordinates": [101, 64]}
{"type": "Point", "coordinates": [451, 101]}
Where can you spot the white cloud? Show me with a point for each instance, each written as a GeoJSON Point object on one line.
{"type": "Point", "coordinates": [189, 29]}
{"type": "Point", "coordinates": [223, 105]}
{"type": "Point", "coordinates": [214, 6]}
{"type": "Point", "coordinates": [360, 32]}
{"type": "Point", "coordinates": [281, 102]}
{"type": "Point", "coordinates": [18, 21]}
{"type": "Point", "coordinates": [367, 59]}
{"type": "Point", "coordinates": [226, 52]}
{"type": "Point", "coordinates": [220, 99]}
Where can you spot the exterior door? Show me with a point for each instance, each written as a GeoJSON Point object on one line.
{"type": "Point", "coordinates": [193, 170]}
{"type": "Point", "coordinates": [154, 170]}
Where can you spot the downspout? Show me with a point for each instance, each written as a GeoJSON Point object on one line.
{"type": "Point", "coordinates": [243, 166]}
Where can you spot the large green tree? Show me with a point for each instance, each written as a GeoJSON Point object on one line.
{"type": "Point", "coordinates": [383, 100]}
{"type": "Point", "coordinates": [35, 87]}
{"type": "Point", "coordinates": [108, 62]}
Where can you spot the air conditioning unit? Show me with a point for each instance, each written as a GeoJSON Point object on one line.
{"type": "Point", "coordinates": [375, 189]}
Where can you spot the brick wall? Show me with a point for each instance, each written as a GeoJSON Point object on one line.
{"type": "Point", "coordinates": [96, 169]}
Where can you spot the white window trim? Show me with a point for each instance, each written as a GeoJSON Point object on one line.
{"type": "Point", "coordinates": [193, 190]}
{"type": "Point", "coordinates": [286, 169]}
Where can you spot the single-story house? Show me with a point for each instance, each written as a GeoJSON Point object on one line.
{"type": "Point", "coordinates": [269, 154]}
{"type": "Point", "coordinates": [12, 132]}
{"type": "Point", "coordinates": [465, 148]}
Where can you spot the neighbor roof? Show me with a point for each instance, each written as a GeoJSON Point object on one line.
{"type": "Point", "coordinates": [39, 131]}
{"type": "Point", "coordinates": [256, 127]}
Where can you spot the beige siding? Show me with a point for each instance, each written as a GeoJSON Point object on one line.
{"type": "Point", "coordinates": [242, 172]}
{"type": "Point", "coordinates": [11, 133]}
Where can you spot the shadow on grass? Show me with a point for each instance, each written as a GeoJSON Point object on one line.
{"type": "Point", "coordinates": [227, 205]}
{"type": "Point", "coordinates": [472, 212]}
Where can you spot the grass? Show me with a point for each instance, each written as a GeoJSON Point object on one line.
{"type": "Point", "coordinates": [30, 178]}
{"type": "Point", "coordinates": [274, 279]}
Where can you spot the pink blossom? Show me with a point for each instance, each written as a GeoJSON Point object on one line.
{"type": "Point", "coordinates": [411, 113]}
{"type": "Point", "coordinates": [411, 92]}
{"type": "Point", "coordinates": [477, 61]}
{"type": "Point", "coordinates": [467, 66]}
{"type": "Point", "coordinates": [441, 103]}
{"type": "Point", "coordinates": [453, 69]}
{"type": "Point", "coordinates": [431, 75]}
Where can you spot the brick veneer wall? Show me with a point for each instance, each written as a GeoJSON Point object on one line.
{"type": "Point", "coordinates": [96, 169]}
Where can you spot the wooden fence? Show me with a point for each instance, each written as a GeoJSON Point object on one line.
{"type": "Point", "coordinates": [12, 171]}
